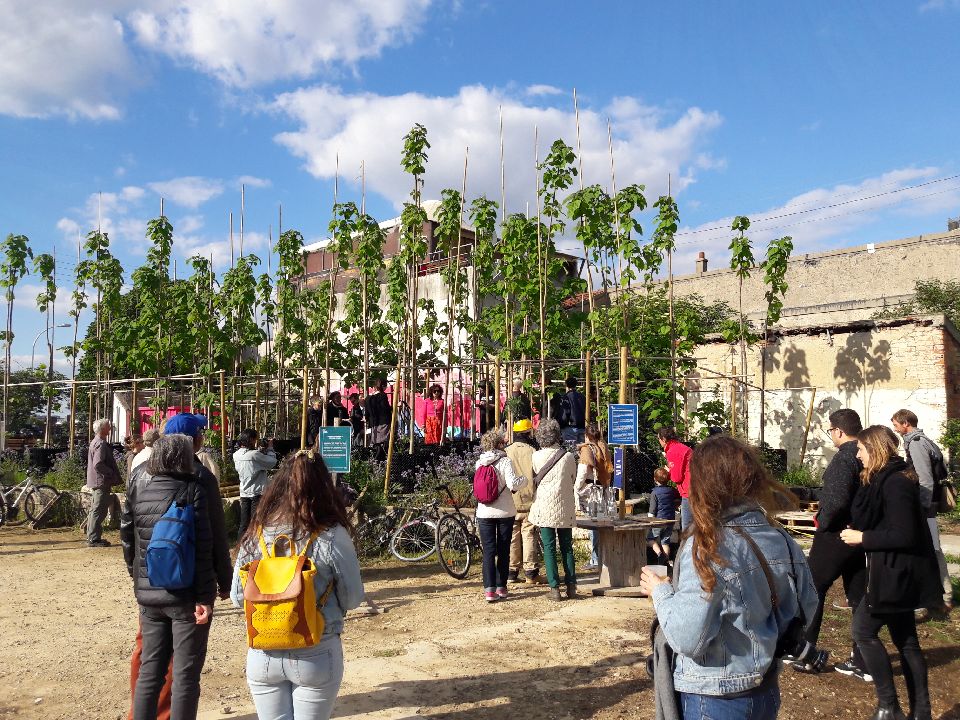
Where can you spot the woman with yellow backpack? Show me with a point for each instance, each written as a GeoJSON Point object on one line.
{"type": "Point", "coordinates": [296, 577]}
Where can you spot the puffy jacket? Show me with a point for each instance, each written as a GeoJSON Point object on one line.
{"type": "Point", "coordinates": [678, 461]}
{"type": "Point", "coordinates": [555, 505]}
{"type": "Point", "coordinates": [509, 481]}
{"type": "Point", "coordinates": [148, 498]}
{"type": "Point", "coordinates": [841, 481]}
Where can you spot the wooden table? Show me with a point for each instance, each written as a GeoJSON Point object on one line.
{"type": "Point", "coordinates": [622, 546]}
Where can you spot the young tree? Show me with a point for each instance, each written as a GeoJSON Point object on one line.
{"type": "Point", "coordinates": [45, 265]}
{"type": "Point", "coordinates": [14, 253]}
{"type": "Point", "coordinates": [741, 262]}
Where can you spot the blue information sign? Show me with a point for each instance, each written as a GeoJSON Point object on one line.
{"type": "Point", "coordinates": [623, 422]}
{"type": "Point", "coordinates": [618, 467]}
{"type": "Point", "coordinates": [335, 448]}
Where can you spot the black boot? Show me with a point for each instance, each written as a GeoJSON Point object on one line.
{"type": "Point", "coordinates": [889, 713]}
{"type": "Point", "coordinates": [512, 575]}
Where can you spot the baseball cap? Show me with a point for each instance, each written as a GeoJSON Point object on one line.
{"type": "Point", "coordinates": [185, 424]}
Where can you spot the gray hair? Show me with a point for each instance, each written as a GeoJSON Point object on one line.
{"type": "Point", "coordinates": [150, 437]}
{"type": "Point", "coordinates": [98, 424]}
{"type": "Point", "coordinates": [493, 440]}
{"type": "Point", "coordinates": [548, 434]}
{"type": "Point", "coordinates": [171, 454]}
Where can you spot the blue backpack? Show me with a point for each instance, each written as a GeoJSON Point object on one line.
{"type": "Point", "coordinates": [172, 552]}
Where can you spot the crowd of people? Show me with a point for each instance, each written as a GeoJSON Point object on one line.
{"type": "Point", "coordinates": [739, 596]}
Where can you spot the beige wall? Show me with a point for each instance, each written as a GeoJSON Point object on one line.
{"type": "Point", "coordinates": [873, 370]}
{"type": "Point", "coordinates": [841, 285]}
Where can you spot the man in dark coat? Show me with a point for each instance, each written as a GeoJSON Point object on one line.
{"type": "Point", "coordinates": [314, 421]}
{"type": "Point", "coordinates": [379, 410]}
{"type": "Point", "coordinates": [831, 558]}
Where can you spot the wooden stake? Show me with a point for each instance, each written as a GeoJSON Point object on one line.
{"type": "Point", "coordinates": [673, 328]}
{"type": "Point", "coordinates": [496, 393]}
{"type": "Point", "coordinates": [304, 404]}
{"type": "Point", "coordinates": [586, 256]}
{"type": "Point", "coordinates": [452, 296]}
{"type": "Point", "coordinates": [588, 373]}
{"type": "Point", "coordinates": [223, 419]}
{"type": "Point", "coordinates": [393, 423]}
{"type": "Point", "coordinates": [806, 431]}
{"type": "Point", "coordinates": [622, 511]}
{"type": "Point", "coordinates": [542, 261]}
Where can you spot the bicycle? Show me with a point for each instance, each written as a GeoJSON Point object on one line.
{"type": "Point", "coordinates": [372, 536]}
{"type": "Point", "coordinates": [416, 539]}
{"type": "Point", "coordinates": [26, 500]}
{"type": "Point", "coordinates": [457, 539]}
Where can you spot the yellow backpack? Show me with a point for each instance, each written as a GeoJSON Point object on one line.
{"type": "Point", "coordinates": [279, 598]}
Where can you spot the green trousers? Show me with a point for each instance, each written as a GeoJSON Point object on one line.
{"type": "Point", "coordinates": [551, 537]}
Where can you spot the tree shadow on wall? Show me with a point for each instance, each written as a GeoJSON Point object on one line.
{"type": "Point", "coordinates": [790, 415]}
{"type": "Point", "coordinates": [860, 365]}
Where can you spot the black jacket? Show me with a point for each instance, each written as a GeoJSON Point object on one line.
{"type": "Point", "coordinates": [222, 567]}
{"type": "Point", "coordinates": [336, 411]}
{"type": "Point", "coordinates": [314, 423]}
{"type": "Point", "coordinates": [841, 481]}
{"type": "Point", "coordinates": [148, 498]}
{"type": "Point", "coordinates": [902, 572]}
{"type": "Point", "coordinates": [378, 410]}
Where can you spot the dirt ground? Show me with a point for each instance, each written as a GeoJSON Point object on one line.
{"type": "Point", "coordinates": [68, 620]}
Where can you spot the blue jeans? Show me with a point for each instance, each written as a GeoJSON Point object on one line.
{"type": "Point", "coordinates": [302, 684]}
{"type": "Point", "coordinates": [495, 536]}
{"type": "Point", "coordinates": [686, 515]}
{"type": "Point", "coordinates": [759, 705]}
{"type": "Point", "coordinates": [594, 548]}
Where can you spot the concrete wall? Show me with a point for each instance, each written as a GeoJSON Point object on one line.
{"type": "Point", "coordinates": [874, 369]}
{"type": "Point", "coordinates": [841, 285]}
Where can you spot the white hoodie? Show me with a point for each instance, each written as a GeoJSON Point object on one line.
{"type": "Point", "coordinates": [503, 506]}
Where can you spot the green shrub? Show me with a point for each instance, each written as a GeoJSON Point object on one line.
{"type": "Point", "coordinates": [68, 473]}
{"type": "Point", "coordinates": [802, 476]}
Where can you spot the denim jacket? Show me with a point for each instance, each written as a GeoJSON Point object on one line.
{"type": "Point", "coordinates": [725, 641]}
{"type": "Point", "coordinates": [335, 558]}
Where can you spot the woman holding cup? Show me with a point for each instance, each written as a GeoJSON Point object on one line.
{"type": "Point", "coordinates": [737, 582]}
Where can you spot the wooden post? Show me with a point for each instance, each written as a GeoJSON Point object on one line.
{"type": "Point", "coordinates": [256, 405]}
{"type": "Point", "coordinates": [73, 415]}
{"type": "Point", "coordinates": [733, 409]}
{"type": "Point", "coordinates": [588, 372]}
{"type": "Point", "coordinates": [223, 419]}
{"type": "Point", "coordinates": [806, 431]}
{"type": "Point", "coordinates": [496, 393]}
{"type": "Point", "coordinates": [304, 404]}
{"type": "Point", "coordinates": [134, 426]}
{"type": "Point", "coordinates": [622, 510]}
{"type": "Point", "coordinates": [90, 417]}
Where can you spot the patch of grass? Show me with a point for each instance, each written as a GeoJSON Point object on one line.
{"type": "Point", "coordinates": [581, 552]}
{"type": "Point", "coordinates": [952, 559]}
{"type": "Point", "coordinates": [388, 652]}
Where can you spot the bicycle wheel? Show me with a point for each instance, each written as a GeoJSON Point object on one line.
{"type": "Point", "coordinates": [371, 536]}
{"type": "Point", "coordinates": [415, 540]}
{"type": "Point", "coordinates": [14, 499]}
{"type": "Point", "coordinates": [37, 499]}
{"type": "Point", "coordinates": [454, 549]}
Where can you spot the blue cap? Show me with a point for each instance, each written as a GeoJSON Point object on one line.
{"type": "Point", "coordinates": [185, 424]}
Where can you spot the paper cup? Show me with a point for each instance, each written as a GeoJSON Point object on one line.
{"type": "Point", "coordinates": [660, 570]}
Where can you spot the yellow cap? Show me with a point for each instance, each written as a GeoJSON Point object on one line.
{"type": "Point", "coordinates": [522, 426]}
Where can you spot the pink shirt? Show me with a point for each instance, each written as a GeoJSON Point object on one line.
{"type": "Point", "coordinates": [678, 462]}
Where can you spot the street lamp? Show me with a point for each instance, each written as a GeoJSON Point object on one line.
{"type": "Point", "coordinates": [43, 332]}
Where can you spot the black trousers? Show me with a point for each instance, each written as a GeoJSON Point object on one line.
{"type": "Point", "coordinates": [170, 630]}
{"type": "Point", "coordinates": [903, 632]}
{"type": "Point", "coordinates": [495, 536]}
{"type": "Point", "coordinates": [248, 506]}
{"type": "Point", "coordinates": [830, 559]}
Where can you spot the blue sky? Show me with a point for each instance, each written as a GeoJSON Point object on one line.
{"type": "Point", "coordinates": [757, 108]}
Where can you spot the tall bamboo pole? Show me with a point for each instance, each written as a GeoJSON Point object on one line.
{"type": "Point", "coordinates": [541, 271]}
{"type": "Point", "coordinates": [256, 405]}
{"type": "Point", "coordinates": [366, 312]}
{"type": "Point", "coordinates": [304, 404]}
{"type": "Point", "coordinates": [223, 419]}
{"type": "Point", "coordinates": [588, 373]}
{"type": "Point", "coordinates": [586, 256]}
{"type": "Point", "coordinates": [496, 393]}
{"type": "Point", "coordinates": [622, 510]}
{"type": "Point", "coordinates": [73, 364]}
{"type": "Point", "coordinates": [393, 423]}
{"type": "Point", "coordinates": [134, 406]}
{"type": "Point", "coordinates": [332, 278]}
{"type": "Point", "coordinates": [451, 299]}
{"type": "Point", "coordinates": [673, 327]}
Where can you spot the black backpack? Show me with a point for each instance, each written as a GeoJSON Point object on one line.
{"type": "Point", "coordinates": [565, 417]}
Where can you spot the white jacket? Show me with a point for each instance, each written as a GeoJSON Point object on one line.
{"type": "Point", "coordinates": [555, 505]}
{"type": "Point", "coordinates": [503, 506]}
{"type": "Point", "coordinates": [252, 466]}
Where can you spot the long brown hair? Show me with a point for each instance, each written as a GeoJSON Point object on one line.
{"type": "Point", "coordinates": [300, 496]}
{"type": "Point", "coordinates": [725, 472]}
{"type": "Point", "coordinates": [881, 444]}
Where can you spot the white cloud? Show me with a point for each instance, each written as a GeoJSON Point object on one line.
{"type": "Point", "coordinates": [77, 58]}
{"type": "Point", "coordinates": [823, 217]}
{"type": "Point", "coordinates": [541, 90]}
{"type": "Point", "coordinates": [254, 243]}
{"type": "Point", "coordinates": [366, 127]}
{"type": "Point", "coordinates": [247, 42]}
{"type": "Point", "coordinates": [932, 5]}
{"type": "Point", "coordinates": [251, 181]}
{"type": "Point", "coordinates": [62, 57]}
{"type": "Point", "coordinates": [189, 191]}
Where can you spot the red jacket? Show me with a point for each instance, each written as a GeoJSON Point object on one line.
{"type": "Point", "coordinates": [678, 461]}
